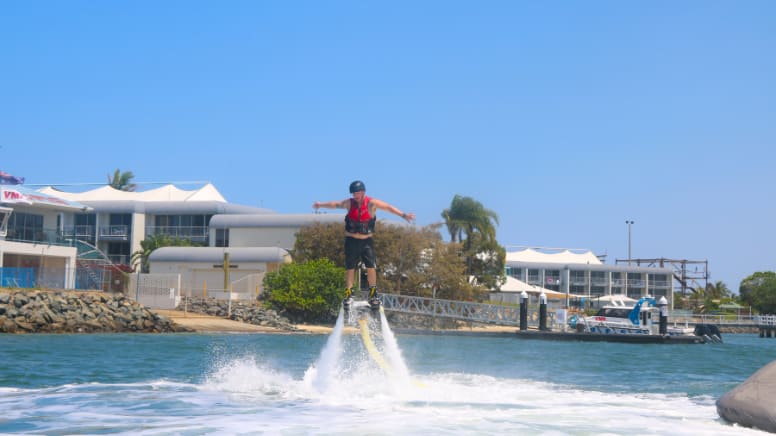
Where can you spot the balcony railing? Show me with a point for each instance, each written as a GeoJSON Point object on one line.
{"type": "Point", "coordinates": [37, 236]}
{"type": "Point", "coordinates": [80, 232]}
{"type": "Point", "coordinates": [119, 232]}
{"type": "Point", "coordinates": [192, 233]}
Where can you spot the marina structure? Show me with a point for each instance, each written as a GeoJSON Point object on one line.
{"type": "Point", "coordinates": [581, 274]}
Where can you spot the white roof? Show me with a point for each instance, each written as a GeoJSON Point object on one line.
{"type": "Point", "coordinates": [216, 254]}
{"type": "Point", "coordinates": [518, 286]}
{"type": "Point", "coordinates": [19, 194]}
{"type": "Point", "coordinates": [564, 256]}
{"type": "Point", "coordinates": [514, 285]}
{"type": "Point", "coordinates": [226, 221]}
{"type": "Point", "coordinates": [164, 193]}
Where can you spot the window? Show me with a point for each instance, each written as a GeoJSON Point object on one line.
{"type": "Point", "coordinates": [85, 219]}
{"type": "Point", "coordinates": [222, 237]}
{"type": "Point", "coordinates": [25, 227]}
{"type": "Point", "coordinates": [533, 276]}
{"type": "Point", "coordinates": [5, 213]}
{"type": "Point", "coordinates": [182, 220]}
{"type": "Point", "coordinates": [552, 277]}
{"type": "Point", "coordinates": [577, 277]}
{"type": "Point", "coordinates": [120, 219]}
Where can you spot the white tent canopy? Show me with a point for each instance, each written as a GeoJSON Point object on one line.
{"type": "Point", "coordinates": [168, 192]}
{"type": "Point", "coordinates": [564, 256]}
{"type": "Point", "coordinates": [516, 286]}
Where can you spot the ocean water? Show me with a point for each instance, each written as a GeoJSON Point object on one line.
{"type": "Point", "coordinates": [378, 383]}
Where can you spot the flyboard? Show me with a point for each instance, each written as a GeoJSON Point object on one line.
{"type": "Point", "coordinates": [368, 319]}
{"type": "Point", "coordinates": [372, 323]}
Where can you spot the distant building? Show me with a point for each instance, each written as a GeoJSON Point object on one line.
{"type": "Point", "coordinates": [117, 221]}
{"type": "Point", "coordinates": [33, 249]}
{"type": "Point", "coordinates": [582, 273]}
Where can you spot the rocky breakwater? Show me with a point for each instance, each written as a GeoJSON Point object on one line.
{"type": "Point", "coordinates": [37, 311]}
{"type": "Point", "coordinates": [247, 312]}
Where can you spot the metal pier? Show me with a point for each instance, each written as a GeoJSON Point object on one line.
{"type": "Point", "coordinates": [475, 312]}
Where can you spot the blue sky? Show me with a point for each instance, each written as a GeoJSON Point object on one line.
{"type": "Point", "coordinates": [566, 118]}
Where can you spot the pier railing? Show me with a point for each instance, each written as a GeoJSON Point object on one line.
{"type": "Point", "coordinates": [765, 320]}
{"type": "Point", "coordinates": [510, 315]}
{"type": "Point", "coordinates": [463, 310]}
{"type": "Point", "coordinates": [730, 319]}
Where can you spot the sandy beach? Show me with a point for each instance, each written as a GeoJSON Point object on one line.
{"type": "Point", "coordinates": [206, 323]}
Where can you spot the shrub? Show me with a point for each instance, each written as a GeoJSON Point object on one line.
{"type": "Point", "coordinates": [306, 292]}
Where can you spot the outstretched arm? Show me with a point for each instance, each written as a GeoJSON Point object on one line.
{"type": "Point", "coordinates": [331, 204]}
{"type": "Point", "coordinates": [410, 217]}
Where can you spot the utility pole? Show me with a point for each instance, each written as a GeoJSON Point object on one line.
{"type": "Point", "coordinates": [629, 223]}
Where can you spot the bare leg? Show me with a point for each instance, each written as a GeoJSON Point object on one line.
{"type": "Point", "coordinates": [349, 274]}
{"type": "Point", "coordinates": [371, 277]}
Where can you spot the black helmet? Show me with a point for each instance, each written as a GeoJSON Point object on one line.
{"type": "Point", "coordinates": [356, 186]}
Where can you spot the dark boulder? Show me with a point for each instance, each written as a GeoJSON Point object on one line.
{"type": "Point", "coordinates": [753, 402]}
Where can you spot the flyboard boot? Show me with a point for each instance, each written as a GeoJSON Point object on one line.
{"type": "Point", "coordinates": [374, 299]}
{"type": "Point", "coordinates": [347, 302]}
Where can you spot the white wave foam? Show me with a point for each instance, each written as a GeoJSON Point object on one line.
{"type": "Point", "coordinates": [245, 396]}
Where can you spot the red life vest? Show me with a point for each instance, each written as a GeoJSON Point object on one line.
{"type": "Point", "coordinates": [358, 219]}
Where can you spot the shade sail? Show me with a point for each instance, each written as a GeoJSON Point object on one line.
{"type": "Point", "coordinates": [18, 194]}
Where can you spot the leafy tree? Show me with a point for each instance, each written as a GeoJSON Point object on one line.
{"type": "Point", "coordinates": [708, 298]}
{"type": "Point", "coordinates": [447, 274]}
{"type": "Point", "coordinates": [759, 291]}
{"type": "Point", "coordinates": [473, 225]}
{"type": "Point", "coordinates": [306, 292]}
{"type": "Point", "coordinates": [398, 251]}
{"type": "Point", "coordinates": [153, 242]}
{"type": "Point", "coordinates": [717, 290]}
{"type": "Point", "coordinates": [320, 241]}
{"type": "Point", "coordinates": [410, 261]}
{"type": "Point", "coordinates": [122, 180]}
{"type": "Point", "coordinates": [487, 265]}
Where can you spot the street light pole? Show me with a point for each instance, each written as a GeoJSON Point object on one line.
{"type": "Point", "coordinates": [629, 223]}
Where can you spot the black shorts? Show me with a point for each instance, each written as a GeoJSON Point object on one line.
{"type": "Point", "coordinates": [359, 249]}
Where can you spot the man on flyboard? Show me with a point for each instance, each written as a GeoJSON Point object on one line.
{"type": "Point", "coordinates": [359, 244]}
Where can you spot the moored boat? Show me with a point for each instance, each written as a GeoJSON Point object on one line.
{"type": "Point", "coordinates": [643, 318]}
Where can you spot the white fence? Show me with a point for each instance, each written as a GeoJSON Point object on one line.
{"type": "Point", "coordinates": [165, 291]}
{"type": "Point", "coordinates": [157, 291]}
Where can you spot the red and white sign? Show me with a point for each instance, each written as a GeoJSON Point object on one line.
{"type": "Point", "coordinates": [10, 195]}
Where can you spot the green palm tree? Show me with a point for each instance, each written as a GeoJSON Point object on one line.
{"type": "Point", "coordinates": [717, 290]}
{"type": "Point", "coordinates": [466, 218]}
{"type": "Point", "coordinates": [474, 226]}
{"type": "Point", "coordinates": [151, 243]}
{"type": "Point", "coordinates": [122, 180]}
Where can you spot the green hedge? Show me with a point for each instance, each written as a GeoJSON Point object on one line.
{"type": "Point", "coordinates": [306, 292]}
